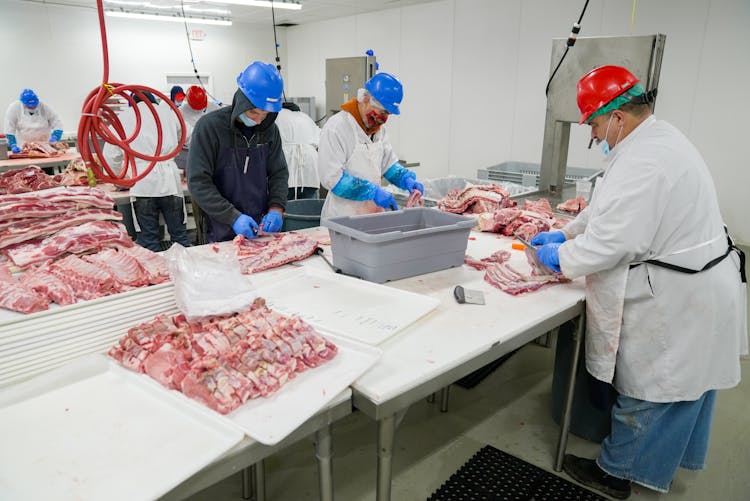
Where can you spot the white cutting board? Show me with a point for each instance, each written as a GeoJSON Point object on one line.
{"type": "Point", "coordinates": [357, 309]}
{"type": "Point", "coordinates": [269, 420]}
{"type": "Point", "coordinates": [92, 430]}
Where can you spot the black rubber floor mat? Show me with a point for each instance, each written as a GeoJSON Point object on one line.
{"type": "Point", "coordinates": [494, 475]}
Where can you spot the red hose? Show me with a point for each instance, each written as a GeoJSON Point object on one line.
{"type": "Point", "coordinates": [99, 122]}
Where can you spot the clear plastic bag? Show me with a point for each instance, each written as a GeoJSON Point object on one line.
{"type": "Point", "coordinates": [208, 283]}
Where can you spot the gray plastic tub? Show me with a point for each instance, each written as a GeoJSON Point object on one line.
{"type": "Point", "coordinates": [393, 245]}
{"type": "Point", "coordinates": [302, 213]}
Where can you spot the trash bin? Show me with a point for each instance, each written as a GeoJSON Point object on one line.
{"type": "Point", "coordinates": [590, 416]}
{"type": "Point", "coordinates": [302, 213]}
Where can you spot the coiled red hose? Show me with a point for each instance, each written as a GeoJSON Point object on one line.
{"type": "Point", "coordinates": [99, 122]}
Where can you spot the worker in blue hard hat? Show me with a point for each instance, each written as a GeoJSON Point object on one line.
{"type": "Point", "coordinates": [354, 153]}
{"type": "Point", "coordinates": [236, 170]}
{"type": "Point", "coordinates": [30, 120]}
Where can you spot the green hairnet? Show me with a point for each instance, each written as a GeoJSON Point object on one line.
{"type": "Point", "coordinates": [614, 104]}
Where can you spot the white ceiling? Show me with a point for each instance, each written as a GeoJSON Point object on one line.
{"type": "Point", "coordinates": [312, 10]}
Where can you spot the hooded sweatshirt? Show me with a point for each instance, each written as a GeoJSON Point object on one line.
{"type": "Point", "coordinates": [220, 142]}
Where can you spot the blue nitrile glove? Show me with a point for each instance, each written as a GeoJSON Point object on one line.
{"type": "Point", "coordinates": [56, 135]}
{"type": "Point", "coordinates": [411, 184]}
{"type": "Point", "coordinates": [271, 222]}
{"type": "Point", "coordinates": [548, 237]}
{"type": "Point", "coordinates": [15, 149]}
{"type": "Point", "coordinates": [384, 199]}
{"type": "Point", "coordinates": [549, 255]}
{"type": "Point", "coordinates": [245, 225]}
{"type": "Point", "coordinates": [12, 143]}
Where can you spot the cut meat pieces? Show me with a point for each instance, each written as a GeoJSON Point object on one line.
{"type": "Point", "coordinates": [415, 199]}
{"type": "Point", "coordinates": [88, 281]}
{"type": "Point", "coordinates": [272, 250]}
{"type": "Point", "coordinates": [15, 296]}
{"type": "Point", "coordinates": [124, 268]}
{"type": "Point", "coordinates": [45, 283]}
{"type": "Point", "coordinates": [573, 205]}
{"type": "Point", "coordinates": [155, 265]}
{"type": "Point", "coordinates": [224, 361]}
{"type": "Point", "coordinates": [30, 229]}
{"type": "Point", "coordinates": [31, 178]}
{"type": "Point", "coordinates": [84, 197]}
{"type": "Point", "coordinates": [487, 198]}
{"type": "Point", "coordinates": [90, 236]}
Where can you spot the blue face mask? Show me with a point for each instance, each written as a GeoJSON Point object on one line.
{"type": "Point", "coordinates": [603, 144]}
{"type": "Point", "coordinates": [249, 122]}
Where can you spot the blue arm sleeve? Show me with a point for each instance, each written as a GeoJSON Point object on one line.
{"type": "Point", "coordinates": [11, 140]}
{"type": "Point", "coordinates": [397, 174]}
{"type": "Point", "coordinates": [56, 134]}
{"type": "Point", "coordinates": [354, 188]}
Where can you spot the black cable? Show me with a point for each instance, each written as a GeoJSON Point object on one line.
{"type": "Point", "coordinates": [570, 43]}
{"type": "Point", "coordinates": [192, 59]}
{"type": "Point", "coordinates": [276, 46]}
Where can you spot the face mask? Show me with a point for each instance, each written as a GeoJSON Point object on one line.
{"type": "Point", "coordinates": [374, 118]}
{"type": "Point", "coordinates": [178, 103]}
{"type": "Point", "coordinates": [603, 144]}
{"type": "Point", "coordinates": [249, 122]}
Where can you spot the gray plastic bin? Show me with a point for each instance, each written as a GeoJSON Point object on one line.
{"type": "Point", "coordinates": [302, 213]}
{"type": "Point", "coordinates": [393, 245]}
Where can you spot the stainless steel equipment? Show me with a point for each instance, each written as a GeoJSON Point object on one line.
{"type": "Point", "coordinates": [344, 76]}
{"type": "Point", "coordinates": [306, 104]}
{"type": "Point", "coordinates": [642, 55]}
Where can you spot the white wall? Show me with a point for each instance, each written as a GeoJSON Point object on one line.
{"type": "Point", "coordinates": [475, 70]}
{"type": "Point", "coordinates": [56, 50]}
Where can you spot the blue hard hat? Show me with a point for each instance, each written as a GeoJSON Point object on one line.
{"type": "Point", "coordinates": [29, 98]}
{"type": "Point", "coordinates": [387, 90]}
{"type": "Point", "coordinates": [262, 85]}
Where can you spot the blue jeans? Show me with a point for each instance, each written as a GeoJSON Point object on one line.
{"type": "Point", "coordinates": [649, 441]}
{"type": "Point", "coordinates": [147, 210]}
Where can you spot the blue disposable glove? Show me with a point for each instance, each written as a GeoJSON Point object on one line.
{"type": "Point", "coordinates": [411, 184]}
{"type": "Point", "coordinates": [271, 222]}
{"type": "Point", "coordinates": [384, 199]}
{"type": "Point", "coordinates": [548, 237]}
{"type": "Point", "coordinates": [245, 225]}
{"type": "Point", "coordinates": [15, 149]}
{"type": "Point", "coordinates": [56, 135]}
{"type": "Point", "coordinates": [549, 255]}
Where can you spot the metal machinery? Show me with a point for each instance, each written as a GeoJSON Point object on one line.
{"type": "Point", "coordinates": [306, 105]}
{"type": "Point", "coordinates": [642, 55]}
{"type": "Point", "coordinates": [344, 76]}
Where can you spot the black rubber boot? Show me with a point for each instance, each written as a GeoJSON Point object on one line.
{"type": "Point", "coordinates": [587, 472]}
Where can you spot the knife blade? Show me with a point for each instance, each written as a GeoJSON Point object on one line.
{"type": "Point", "coordinates": [540, 268]}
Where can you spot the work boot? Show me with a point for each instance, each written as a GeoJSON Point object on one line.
{"type": "Point", "coordinates": [587, 472]}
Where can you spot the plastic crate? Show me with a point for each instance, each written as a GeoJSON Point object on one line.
{"type": "Point", "coordinates": [522, 172]}
{"type": "Point", "coordinates": [393, 245]}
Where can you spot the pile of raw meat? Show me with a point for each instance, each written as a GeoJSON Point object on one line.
{"type": "Point", "coordinates": [271, 250]}
{"type": "Point", "coordinates": [224, 361]}
{"type": "Point", "coordinates": [499, 273]}
{"type": "Point", "coordinates": [67, 244]}
{"type": "Point", "coordinates": [40, 150]}
{"type": "Point", "coordinates": [32, 178]}
{"type": "Point", "coordinates": [476, 200]}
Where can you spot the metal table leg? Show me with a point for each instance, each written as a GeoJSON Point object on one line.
{"type": "Point", "coordinates": [444, 394]}
{"type": "Point", "coordinates": [254, 482]}
{"type": "Point", "coordinates": [562, 441]}
{"type": "Point", "coordinates": [386, 439]}
{"type": "Point", "coordinates": [324, 453]}
{"type": "Point", "coordinates": [247, 483]}
{"type": "Point", "coordinates": [260, 480]}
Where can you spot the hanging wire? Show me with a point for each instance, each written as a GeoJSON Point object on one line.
{"type": "Point", "coordinates": [192, 59]}
{"type": "Point", "coordinates": [571, 42]}
{"type": "Point", "coordinates": [276, 46]}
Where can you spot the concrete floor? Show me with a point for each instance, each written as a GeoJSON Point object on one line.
{"type": "Point", "coordinates": [508, 410]}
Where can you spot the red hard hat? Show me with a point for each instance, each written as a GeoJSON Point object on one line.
{"type": "Point", "coordinates": [601, 85]}
{"type": "Point", "coordinates": [196, 98]}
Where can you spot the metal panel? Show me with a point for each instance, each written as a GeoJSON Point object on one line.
{"type": "Point", "coordinates": [306, 105]}
{"type": "Point", "coordinates": [642, 55]}
{"type": "Point", "coordinates": [344, 76]}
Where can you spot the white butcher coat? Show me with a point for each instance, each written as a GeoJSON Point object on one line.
{"type": "Point", "coordinates": [299, 139]}
{"type": "Point", "coordinates": [657, 334]}
{"type": "Point", "coordinates": [344, 146]}
{"type": "Point", "coordinates": [31, 125]}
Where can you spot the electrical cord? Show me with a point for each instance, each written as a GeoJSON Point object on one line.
{"type": "Point", "coordinates": [192, 59]}
{"type": "Point", "coordinates": [98, 120]}
{"type": "Point", "coordinates": [276, 46]}
{"type": "Point", "coordinates": [570, 43]}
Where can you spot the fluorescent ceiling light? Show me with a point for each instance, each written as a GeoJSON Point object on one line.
{"type": "Point", "coordinates": [160, 17]}
{"type": "Point", "coordinates": [145, 6]}
{"type": "Point", "coordinates": [262, 3]}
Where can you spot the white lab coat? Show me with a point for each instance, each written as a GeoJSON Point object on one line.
{"type": "Point", "coordinates": [345, 146]}
{"type": "Point", "coordinates": [31, 125]}
{"type": "Point", "coordinates": [299, 139]}
{"type": "Point", "coordinates": [657, 334]}
{"type": "Point", "coordinates": [191, 117]}
{"type": "Point", "coordinates": [164, 178]}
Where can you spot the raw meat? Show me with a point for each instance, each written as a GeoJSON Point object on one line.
{"type": "Point", "coordinates": [31, 178]}
{"type": "Point", "coordinates": [124, 268]}
{"type": "Point", "coordinates": [573, 205]}
{"type": "Point", "coordinates": [82, 197]}
{"type": "Point", "coordinates": [29, 229]}
{"type": "Point", "coordinates": [224, 361]}
{"type": "Point", "coordinates": [74, 174]}
{"type": "Point", "coordinates": [499, 273]}
{"type": "Point", "coordinates": [88, 281]}
{"type": "Point", "coordinates": [45, 283]}
{"type": "Point", "coordinates": [415, 199]}
{"type": "Point", "coordinates": [38, 150]}
{"type": "Point", "coordinates": [15, 296]}
{"type": "Point", "coordinates": [90, 236]}
{"type": "Point", "coordinates": [155, 265]}
{"type": "Point", "coordinates": [272, 250]}
{"type": "Point", "coordinates": [484, 197]}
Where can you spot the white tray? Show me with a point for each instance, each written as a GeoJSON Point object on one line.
{"type": "Point", "coordinates": [357, 309]}
{"type": "Point", "coordinates": [92, 430]}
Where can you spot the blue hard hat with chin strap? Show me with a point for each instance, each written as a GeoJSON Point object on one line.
{"type": "Point", "coordinates": [262, 85]}
{"type": "Point", "coordinates": [387, 90]}
{"type": "Point", "coordinates": [29, 98]}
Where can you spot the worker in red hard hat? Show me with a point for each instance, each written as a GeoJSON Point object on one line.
{"type": "Point", "coordinates": [195, 107]}
{"type": "Point", "coordinates": [666, 307]}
